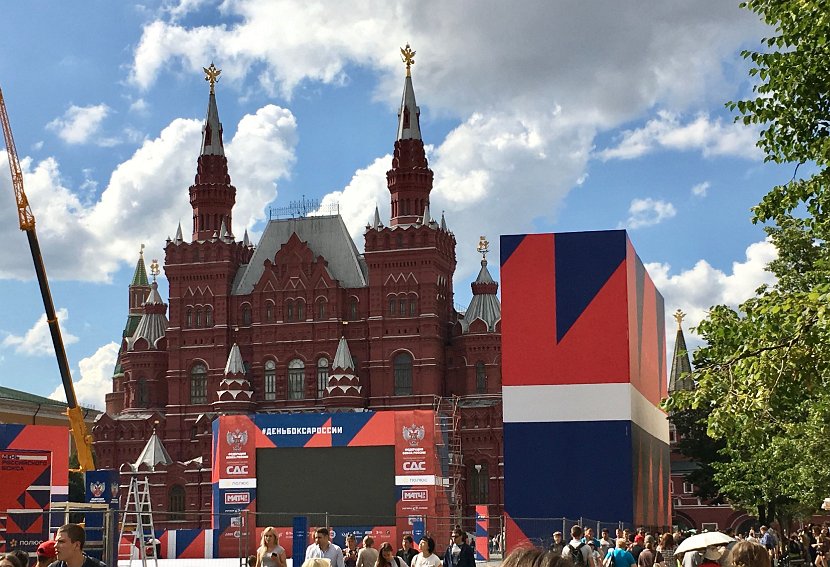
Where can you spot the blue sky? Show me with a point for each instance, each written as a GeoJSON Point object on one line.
{"type": "Point", "coordinates": [540, 116]}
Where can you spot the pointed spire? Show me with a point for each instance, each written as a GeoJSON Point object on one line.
{"type": "Point", "coordinates": [410, 179]}
{"type": "Point", "coordinates": [409, 127]}
{"type": "Point", "coordinates": [680, 377]}
{"type": "Point", "coordinates": [246, 242]}
{"type": "Point", "coordinates": [343, 357]}
{"type": "Point", "coordinates": [485, 304]}
{"type": "Point", "coordinates": [179, 237]}
{"type": "Point", "coordinates": [443, 222]}
{"type": "Point", "coordinates": [211, 196]}
{"type": "Point", "coordinates": [426, 218]}
{"type": "Point", "coordinates": [140, 274]}
{"type": "Point", "coordinates": [153, 454]}
{"type": "Point", "coordinates": [235, 364]}
{"type": "Point", "coordinates": [376, 224]}
{"type": "Point", "coordinates": [212, 130]}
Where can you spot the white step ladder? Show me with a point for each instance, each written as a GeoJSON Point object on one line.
{"type": "Point", "coordinates": [136, 539]}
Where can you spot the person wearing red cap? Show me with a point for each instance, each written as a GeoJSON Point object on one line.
{"type": "Point", "coordinates": [638, 546]}
{"type": "Point", "coordinates": [69, 548]}
{"type": "Point", "coordinates": [46, 553]}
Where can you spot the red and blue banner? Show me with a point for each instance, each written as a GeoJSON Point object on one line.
{"type": "Point", "coordinates": [34, 475]}
{"type": "Point", "coordinates": [412, 464]}
{"type": "Point", "coordinates": [583, 358]}
{"type": "Point", "coordinates": [24, 498]}
{"type": "Point", "coordinates": [482, 533]}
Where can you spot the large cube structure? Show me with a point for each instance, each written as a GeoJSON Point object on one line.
{"type": "Point", "coordinates": [584, 369]}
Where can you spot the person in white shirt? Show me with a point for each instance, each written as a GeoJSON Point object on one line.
{"type": "Point", "coordinates": [576, 546]}
{"type": "Point", "coordinates": [427, 557]}
{"type": "Point", "coordinates": [325, 549]}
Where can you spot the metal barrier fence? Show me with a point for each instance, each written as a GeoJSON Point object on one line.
{"type": "Point", "coordinates": [25, 529]}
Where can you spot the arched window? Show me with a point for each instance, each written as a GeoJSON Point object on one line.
{"type": "Point", "coordinates": [322, 377]}
{"type": "Point", "coordinates": [296, 379]}
{"type": "Point", "coordinates": [403, 374]}
{"type": "Point", "coordinates": [402, 306]}
{"type": "Point", "coordinates": [176, 506]}
{"type": "Point", "coordinates": [393, 303]}
{"type": "Point", "coordinates": [142, 394]}
{"type": "Point", "coordinates": [270, 390]}
{"type": "Point", "coordinates": [198, 317]}
{"type": "Point", "coordinates": [300, 310]}
{"type": "Point", "coordinates": [289, 310]}
{"type": "Point", "coordinates": [188, 318]}
{"type": "Point", "coordinates": [269, 311]}
{"type": "Point", "coordinates": [321, 309]}
{"type": "Point", "coordinates": [198, 384]}
{"type": "Point", "coordinates": [246, 314]}
{"type": "Point", "coordinates": [481, 378]}
{"type": "Point", "coordinates": [208, 316]}
{"type": "Point", "coordinates": [478, 483]}
{"type": "Point", "coordinates": [353, 308]}
{"type": "Point", "coordinates": [413, 305]}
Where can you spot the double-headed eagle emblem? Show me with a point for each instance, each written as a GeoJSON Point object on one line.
{"type": "Point", "coordinates": [236, 439]}
{"type": "Point", "coordinates": [414, 434]}
{"type": "Point", "coordinates": [97, 489]}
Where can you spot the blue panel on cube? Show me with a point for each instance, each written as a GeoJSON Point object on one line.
{"type": "Point", "coordinates": [584, 262]}
{"type": "Point", "coordinates": [508, 244]}
{"type": "Point", "coordinates": [568, 469]}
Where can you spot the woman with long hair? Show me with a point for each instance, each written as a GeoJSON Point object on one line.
{"type": "Point", "coordinates": [386, 556]}
{"type": "Point", "coordinates": [749, 554]}
{"type": "Point", "coordinates": [270, 553]}
{"type": "Point", "coordinates": [666, 549]}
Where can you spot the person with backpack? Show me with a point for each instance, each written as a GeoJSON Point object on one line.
{"type": "Point", "coordinates": [619, 556]}
{"type": "Point", "coordinates": [577, 551]}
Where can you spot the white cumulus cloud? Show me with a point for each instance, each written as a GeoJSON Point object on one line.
{"type": "Point", "coordinates": [145, 198]}
{"type": "Point", "coordinates": [648, 212]}
{"type": "Point", "coordinates": [668, 132]}
{"type": "Point", "coordinates": [695, 290]}
{"type": "Point", "coordinates": [81, 124]}
{"type": "Point", "coordinates": [95, 379]}
{"type": "Point", "coordinates": [37, 341]}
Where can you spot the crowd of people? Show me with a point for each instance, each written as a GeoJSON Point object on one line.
{"type": "Point", "coordinates": [807, 547]}
{"type": "Point", "coordinates": [324, 553]}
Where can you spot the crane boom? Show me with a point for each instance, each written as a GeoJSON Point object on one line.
{"type": "Point", "coordinates": [83, 440]}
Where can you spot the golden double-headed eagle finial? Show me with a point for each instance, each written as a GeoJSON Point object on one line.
{"type": "Point", "coordinates": [408, 57]}
{"type": "Point", "coordinates": [483, 246]}
{"type": "Point", "coordinates": [212, 75]}
{"type": "Point", "coordinates": [154, 268]}
{"type": "Point", "coordinates": [679, 316]}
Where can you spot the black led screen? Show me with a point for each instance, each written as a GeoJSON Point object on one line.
{"type": "Point", "coordinates": [356, 485]}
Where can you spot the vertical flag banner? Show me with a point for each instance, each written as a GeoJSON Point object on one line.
{"type": "Point", "coordinates": [482, 533]}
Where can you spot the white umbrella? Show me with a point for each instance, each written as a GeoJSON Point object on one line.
{"type": "Point", "coordinates": [702, 541]}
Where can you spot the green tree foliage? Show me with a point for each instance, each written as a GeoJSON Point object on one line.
{"type": "Point", "coordinates": [763, 376]}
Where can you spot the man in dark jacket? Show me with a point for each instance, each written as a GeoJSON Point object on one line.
{"type": "Point", "coordinates": [407, 552]}
{"type": "Point", "coordinates": [69, 548]}
{"type": "Point", "coordinates": [459, 553]}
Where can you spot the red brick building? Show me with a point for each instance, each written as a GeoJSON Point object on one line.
{"type": "Point", "coordinates": [303, 322]}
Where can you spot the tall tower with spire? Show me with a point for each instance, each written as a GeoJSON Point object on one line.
{"type": "Point", "coordinates": [212, 196]}
{"type": "Point", "coordinates": [680, 377]}
{"type": "Point", "coordinates": [410, 179]}
{"type": "Point", "coordinates": [139, 286]}
{"type": "Point", "coordinates": [411, 264]}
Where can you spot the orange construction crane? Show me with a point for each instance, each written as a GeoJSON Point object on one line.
{"type": "Point", "coordinates": [83, 440]}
